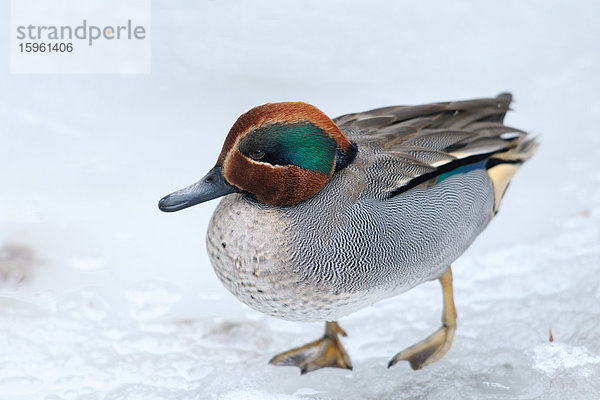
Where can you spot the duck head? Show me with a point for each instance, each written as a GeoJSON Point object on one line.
{"type": "Point", "coordinates": [279, 153]}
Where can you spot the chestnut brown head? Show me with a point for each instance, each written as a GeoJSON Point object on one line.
{"type": "Point", "coordinates": [281, 153]}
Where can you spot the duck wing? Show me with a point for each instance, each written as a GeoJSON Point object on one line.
{"type": "Point", "coordinates": [419, 144]}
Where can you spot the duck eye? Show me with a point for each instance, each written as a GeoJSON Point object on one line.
{"type": "Point", "coordinates": [257, 154]}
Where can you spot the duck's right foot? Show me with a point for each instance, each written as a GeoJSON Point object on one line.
{"type": "Point", "coordinates": [325, 352]}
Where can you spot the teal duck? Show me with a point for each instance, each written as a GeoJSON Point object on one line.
{"type": "Point", "coordinates": [323, 217]}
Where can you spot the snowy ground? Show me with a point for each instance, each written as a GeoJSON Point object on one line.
{"type": "Point", "coordinates": [104, 297]}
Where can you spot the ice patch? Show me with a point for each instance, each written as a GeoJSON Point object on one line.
{"type": "Point", "coordinates": [551, 358]}
{"type": "Point", "coordinates": [307, 391]}
{"type": "Point", "coordinates": [149, 300]}
{"type": "Point", "coordinates": [85, 304]}
{"type": "Point", "coordinates": [258, 395]}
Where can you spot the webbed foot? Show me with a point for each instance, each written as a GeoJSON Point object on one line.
{"type": "Point", "coordinates": [427, 351]}
{"type": "Point", "coordinates": [437, 344]}
{"type": "Point", "coordinates": [325, 352]}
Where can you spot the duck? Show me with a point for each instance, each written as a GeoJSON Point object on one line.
{"type": "Point", "coordinates": [321, 217]}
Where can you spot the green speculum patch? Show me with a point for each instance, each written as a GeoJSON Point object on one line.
{"type": "Point", "coordinates": [462, 170]}
{"type": "Point", "coordinates": [302, 144]}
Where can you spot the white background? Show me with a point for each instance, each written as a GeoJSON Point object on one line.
{"type": "Point", "coordinates": [118, 301]}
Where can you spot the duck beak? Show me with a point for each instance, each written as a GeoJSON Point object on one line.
{"type": "Point", "coordinates": [210, 187]}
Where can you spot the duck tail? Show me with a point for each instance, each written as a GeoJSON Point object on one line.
{"type": "Point", "coordinates": [526, 149]}
{"type": "Point", "coordinates": [501, 167]}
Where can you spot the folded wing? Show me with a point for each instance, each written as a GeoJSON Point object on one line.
{"type": "Point", "coordinates": [421, 144]}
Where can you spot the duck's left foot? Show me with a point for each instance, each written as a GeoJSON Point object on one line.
{"type": "Point", "coordinates": [325, 352]}
{"type": "Point", "coordinates": [427, 351]}
{"type": "Point", "coordinates": [437, 344]}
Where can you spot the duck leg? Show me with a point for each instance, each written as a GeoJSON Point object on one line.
{"type": "Point", "coordinates": [438, 343]}
{"type": "Point", "coordinates": [325, 352]}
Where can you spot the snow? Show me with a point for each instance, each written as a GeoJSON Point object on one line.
{"type": "Point", "coordinates": [104, 297]}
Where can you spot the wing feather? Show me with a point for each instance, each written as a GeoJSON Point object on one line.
{"type": "Point", "coordinates": [417, 141]}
